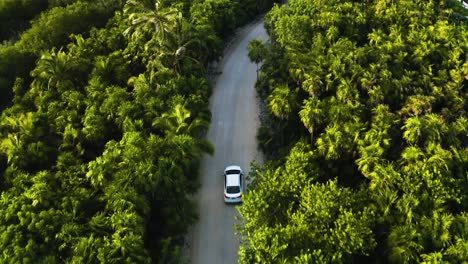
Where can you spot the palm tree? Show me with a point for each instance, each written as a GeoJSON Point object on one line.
{"type": "Point", "coordinates": [54, 72]}
{"type": "Point", "coordinates": [23, 123]}
{"type": "Point", "coordinates": [12, 144]}
{"type": "Point", "coordinates": [404, 244]}
{"type": "Point", "coordinates": [413, 129]}
{"type": "Point", "coordinates": [312, 115]}
{"type": "Point", "coordinates": [425, 129]}
{"type": "Point", "coordinates": [176, 51]}
{"type": "Point", "coordinates": [256, 51]}
{"type": "Point", "coordinates": [12, 147]}
{"type": "Point", "coordinates": [435, 128]}
{"type": "Point", "coordinates": [85, 249]}
{"type": "Point", "coordinates": [148, 17]}
{"type": "Point", "coordinates": [183, 135]}
{"type": "Point", "coordinates": [177, 122]}
{"type": "Point", "coordinates": [104, 68]}
{"type": "Point", "coordinates": [279, 102]}
{"type": "Point", "coordinates": [437, 229]}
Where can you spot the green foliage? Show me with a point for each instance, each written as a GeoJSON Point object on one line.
{"type": "Point", "coordinates": [148, 19]}
{"type": "Point", "coordinates": [15, 15]}
{"type": "Point", "coordinates": [224, 16]}
{"type": "Point", "coordinates": [53, 27]}
{"type": "Point", "coordinates": [280, 100]}
{"type": "Point", "coordinates": [301, 217]}
{"type": "Point", "coordinates": [219, 14]}
{"type": "Point", "coordinates": [13, 63]}
{"type": "Point", "coordinates": [256, 50]}
{"type": "Point", "coordinates": [381, 92]}
{"type": "Point", "coordinates": [101, 145]}
{"type": "Point", "coordinates": [458, 9]}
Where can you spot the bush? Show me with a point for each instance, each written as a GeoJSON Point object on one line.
{"type": "Point", "coordinates": [15, 15]}
{"type": "Point", "coordinates": [53, 28]}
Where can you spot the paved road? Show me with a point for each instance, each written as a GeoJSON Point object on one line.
{"type": "Point", "coordinates": [233, 133]}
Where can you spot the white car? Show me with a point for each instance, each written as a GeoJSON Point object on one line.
{"type": "Point", "coordinates": [233, 184]}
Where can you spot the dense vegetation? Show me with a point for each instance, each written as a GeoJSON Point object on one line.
{"type": "Point", "coordinates": [368, 119]}
{"type": "Point", "coordinates": [105, 104]}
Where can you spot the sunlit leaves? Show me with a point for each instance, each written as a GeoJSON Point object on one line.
{"type": "Point", "coordinates": [88, 177]}
{"type": "Point", "coordinates": [318, 218]}
{"type": "Point", "coordinates": [404, 243]}
{"type": "Point", "coordinates": [256, 51]}
{"type": "Point", "coordinates": [219, 14]}
{"type": "Point", "coordinates": [312, 114]}
{"type": "Point", "coordinates": [149, 17]}
{"type": "Point", "coordinates": [429, 127]}
{"type": "Point", "coordinates": [53, 27]}
{"type": "Point", "coordinates": [280, 101]}
{"type": "Point", "coordinates": [381, 95]}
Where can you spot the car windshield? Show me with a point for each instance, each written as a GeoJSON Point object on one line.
{"type": "Point", "coordinates": [233, 189]}
{"type": "Point", "coordinates": [233, 172]}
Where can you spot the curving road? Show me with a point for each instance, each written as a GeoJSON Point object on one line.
{"type": "Point", "coordinates": [233, 133]}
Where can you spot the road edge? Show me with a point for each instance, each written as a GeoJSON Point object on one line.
{"type": "Point", "coordinates": [212, 78]}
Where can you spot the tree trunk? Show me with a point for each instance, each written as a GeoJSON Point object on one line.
{"type": "Point", "coordinates": [257, 71]}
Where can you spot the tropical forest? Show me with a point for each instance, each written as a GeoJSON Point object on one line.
{"type": "Point", "coordinates": [366, 133]}
{"type": "Point", "coordinates": [105, 107]}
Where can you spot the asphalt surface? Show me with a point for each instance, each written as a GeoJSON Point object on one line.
{"type": "Point", "coordinates": [233, 129]}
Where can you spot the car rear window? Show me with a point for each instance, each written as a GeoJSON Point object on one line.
{"type": "Point", "coordinates": [233, 172]}
{"type": "Point", "coordinates": [233, 189]}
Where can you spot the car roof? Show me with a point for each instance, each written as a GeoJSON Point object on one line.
{"type": "Point", "coordinates": [232, 180]}
{"type": "Point", "coordinates": [233, 167]}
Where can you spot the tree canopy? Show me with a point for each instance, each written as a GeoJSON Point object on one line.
{"type": "Point", "coordinates": [105, 104]}
{"type": "Point", "coordinates": [367, 103]}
